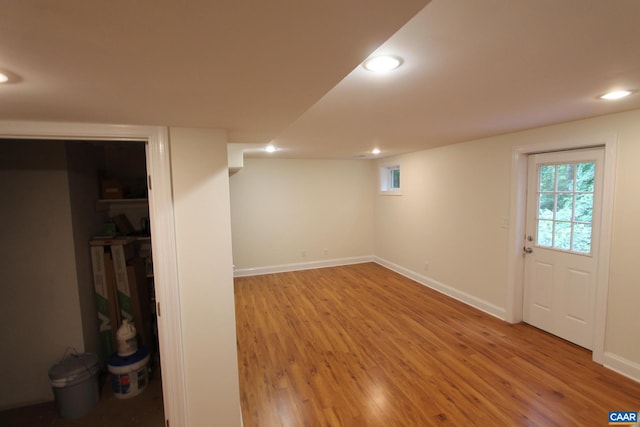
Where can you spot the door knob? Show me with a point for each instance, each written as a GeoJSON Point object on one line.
{"type": "Point", "coordinates": [527, 250]}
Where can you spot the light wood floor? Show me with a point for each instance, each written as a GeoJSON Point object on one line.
{"type": "Point", "coordinates": [362, 346]}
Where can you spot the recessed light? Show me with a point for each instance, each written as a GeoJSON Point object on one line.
{"type": "Point", "coordinates": [3, 77]}
{"type": "Point", "coordinates": [375, 151]}
{"type": "Point", "coordinates": [270, 149]}
{"type": "Point", "coordinates": [618, 94]}
{"type": "Point", "coordinates": [382, 63]}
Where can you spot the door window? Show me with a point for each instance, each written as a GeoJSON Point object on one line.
{"type": "Point", "coordinates": [565, 206]}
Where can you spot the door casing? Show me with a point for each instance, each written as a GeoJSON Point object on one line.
{"type": "Point", "coordinates": [556, 317]}
{"type": "Point", "coordinates": [163, 231]}
{"type": "Point", "coordinates": [517, 211]}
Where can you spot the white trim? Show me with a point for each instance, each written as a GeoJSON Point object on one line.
{"type": "Point", "coordinates": [464, 297]}
{"type": "Point", "coordinates": [515, 263]}
{"type": "Point", "coordinates": [456, 294]}
{"type": "Point", "coordinates": [165, 271]}
{"type": "Point", "coordinates": [604, 254]}
{"type": "Point", "coordinates": [164, 245]}
{"type": "Point", "coordinates": [515, 258]}
{"type": "Point", "coordinates": [284, 268]}
{"type": "Point", "coordinates": [622, 366]}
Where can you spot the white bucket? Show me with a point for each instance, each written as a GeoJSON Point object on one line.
{"type": "Point", "coordinates": [129, 376]}
{"type": "Point", "coordinates": [126, 337]}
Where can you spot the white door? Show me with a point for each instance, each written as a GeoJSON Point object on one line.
{"type": "Point", "coordinates": [564, 194]}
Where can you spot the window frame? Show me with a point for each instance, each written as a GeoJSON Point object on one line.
{"type": "Point", "coordinates": [572, 221]}
{"type": "Point", "coordinates": [386, 179]}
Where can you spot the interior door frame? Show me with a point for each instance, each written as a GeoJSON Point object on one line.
{"type": "Point", "coordinates": [517, 212]}
{"type": "Point", "coordinates": [162, 228]}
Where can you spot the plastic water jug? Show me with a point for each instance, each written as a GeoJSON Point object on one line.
{"type": "Point", "coordinates": [126, 337]}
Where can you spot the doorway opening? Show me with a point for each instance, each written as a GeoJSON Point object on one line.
{"type": "Point", "coordinates": [518, 234]}
{"type": "Point", "coordinates": [61, 216]}
{"type": "Point", "coordinates": [162, 228]}
{"type": "Point", "coordinates": [562, 225]}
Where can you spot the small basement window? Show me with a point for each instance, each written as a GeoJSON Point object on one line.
{"type": "Point", "coordinates": [390, 180]}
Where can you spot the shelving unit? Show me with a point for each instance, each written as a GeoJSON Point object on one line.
{"type": "Point", "coordinates": [134, 209]}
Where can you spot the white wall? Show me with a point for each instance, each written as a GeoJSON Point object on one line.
{"type": "Point", "coordinates": [39, 303]}
{"type": "Point", "coordinates": [453, 214]}
{"type": "Point", "coordinates": [300, 211]}
{"type": "Point", "coordinates": [83, 162]}
{"type": "Point", "coordinates": [456, 201]}
{"type": "Point", "coordinates": [450, 216]}
{"type": "Point", "coordinates": [203, 239]}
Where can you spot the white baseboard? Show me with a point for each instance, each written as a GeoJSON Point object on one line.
{"type": "Point", "coordinates": [464, 297]}
{"type": "Point", "coordinates": [244, 272]}
{"type": "Point", "coordinates": [622, 366]}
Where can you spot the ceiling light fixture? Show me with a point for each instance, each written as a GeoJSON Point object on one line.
{"type": "Point", "coordinates": [3, 77]}
{"type": "Point", "coordinates": [375, 151]}
{"type": "Point", "coordinates": [270, 149]}
{"type": "Point", "coordinates": [617, 94]}
{"type": "Point", "coordinates": [382, 63]}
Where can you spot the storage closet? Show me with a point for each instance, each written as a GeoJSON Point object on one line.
{"type": "Point", "coordinates": [51, 208]}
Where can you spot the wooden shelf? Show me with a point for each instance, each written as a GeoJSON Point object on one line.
{"type": "Point", "coordinates": [103, 204]}
{"type": "Point", "coordinates": [122, 201]}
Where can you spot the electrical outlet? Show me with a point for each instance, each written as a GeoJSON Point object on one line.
{"type": "Point", "coordinates": [326, 251]}
{"type": "Point", "coordinates": [303, 253]}
{"type": "Point", "coordinates": [426, 266]}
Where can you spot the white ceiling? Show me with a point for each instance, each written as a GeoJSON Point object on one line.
{"type": "Point", "coordinates": [287, 71]}
{"type": "Point", "coordinates": [249, 66]}
{"type": "Point", "coordinates": [476, 68]}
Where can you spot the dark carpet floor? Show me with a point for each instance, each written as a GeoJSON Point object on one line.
{"type": "Point", "coordinates": [143, 410]}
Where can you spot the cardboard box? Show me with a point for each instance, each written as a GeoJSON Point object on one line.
{"type": "Point", "coordinates": [107, 308]}
{"type": "Point", "coordinates": [141, 301]}
{"type": "Point", "coordinates": [144, 252]}
{"type": "Point", "coordinates": [133, 292]}
{"type": "Point", "coordinates": [114, 309]}
{"type": "Point", "coordinates": [122, 291]}
{"type": "Point", "coordinates": [111, 189]}
{"type": "Point", "coordinates": [123, 225]}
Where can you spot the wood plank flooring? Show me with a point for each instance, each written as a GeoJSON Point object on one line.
{"type": "Point", "coordinates": [363, 346]}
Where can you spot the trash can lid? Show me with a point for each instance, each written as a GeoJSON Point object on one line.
{"type": "Point", "coordinates": [115, 360]}
{"type": "Point", "coordinates": [75, 365]}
